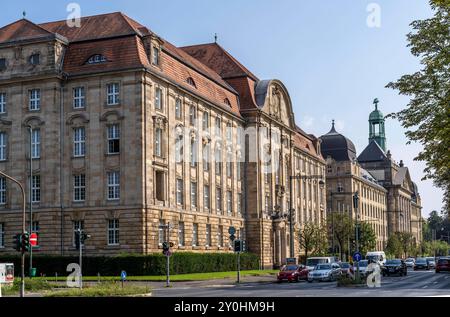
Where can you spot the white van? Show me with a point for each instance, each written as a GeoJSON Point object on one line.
{"type": "Point", "coordinates": [313, 261]}
{"type": "Point", "coordinates": [376, 257]}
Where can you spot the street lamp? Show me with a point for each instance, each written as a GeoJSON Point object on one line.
{"type": "Point", "coordinates": [22, 277]}
{"type": "Point", "coordinates": [291, 209]}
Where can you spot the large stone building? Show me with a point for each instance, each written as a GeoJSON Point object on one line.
{"type": "Point", "coordinates": [128, 133]}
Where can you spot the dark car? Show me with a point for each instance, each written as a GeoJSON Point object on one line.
{"type": "Point", "coordinates": [293, 273]}
{"type": "Point", "coordinates": [443, 264]}
{"type": "Point", "coordinates": [345, 268]}
{"type": "Point", "coordinates": [421, 264]}
{"type": "Point", "coordinates": [395, 266]}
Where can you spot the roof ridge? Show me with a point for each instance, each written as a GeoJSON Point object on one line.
{"type": "Point", "coordinates": [28, 21]}
{"type": "Point", "coordinates": [84, 17]}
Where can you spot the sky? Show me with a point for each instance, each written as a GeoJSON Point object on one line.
{"type": "Point", "coordinates": [334, 57]}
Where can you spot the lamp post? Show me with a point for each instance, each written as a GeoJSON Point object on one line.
{"type": "Point", "coordinates": [30, 128]}
{"type": "Point", "coordinates": [291, 209]}
{"type": "Point", "coordinates": [22, 276]}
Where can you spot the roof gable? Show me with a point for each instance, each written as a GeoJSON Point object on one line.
{"type": "Point", "coordinates": [372, 153]}
{"type": "Point", "coordinates": [22, 30]}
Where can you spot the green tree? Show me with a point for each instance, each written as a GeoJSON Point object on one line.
{"type": "Point", "coordinates": [307, 236]}
{"type": "Point", "coordinates": [394, 245]}
{"type": "Point", "coordinates": [427, 115]}
{"type": "Point", "coordinates": [407, 242]}
{"type": "Point", "coordinates": [342, 230]}
{"type": "Point", "coordinates": [368, 238]}
{"type": "Point", "coordinates": [321, 241]}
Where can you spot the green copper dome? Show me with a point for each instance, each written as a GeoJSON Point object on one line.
{"type": "Point", "coordinates": [376, 114]}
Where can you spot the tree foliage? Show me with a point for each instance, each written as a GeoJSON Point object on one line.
{"type": "Point", "coordinates": [427, 115]}
{"type": "Point", "coordinates": [313, 239]}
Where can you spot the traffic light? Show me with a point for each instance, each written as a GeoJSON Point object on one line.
{"type": "Point", "coordinates": [237, 246]}
{"type": "Point", "coordinates": [77, 240]}
{"type": "Point", "coordinates": [17, 242]}
{"type": "Point", "coordinates": [165, 246]}
{"type": "Point", "coordinates": [25, 242]}
{"type": "Point", "coordinates": [244, 246]}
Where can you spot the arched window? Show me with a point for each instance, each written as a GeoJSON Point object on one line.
{"type": "Point", "coordinates": [191, 82]}
{"type": "Point", "coordinates": [96, 59]}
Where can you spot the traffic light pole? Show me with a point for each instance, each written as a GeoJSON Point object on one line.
{"type": "Point", "coordinates": [31, 196]}
{"type": "Point", "coordinates": [81, 257]}
{"type": "Point", "coordinates": [168, 257]}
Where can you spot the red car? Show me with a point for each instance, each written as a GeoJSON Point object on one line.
{"type": "Point", "coordinates": [293, 273]}
{"type": "Point", "coordinates": [443, 264]}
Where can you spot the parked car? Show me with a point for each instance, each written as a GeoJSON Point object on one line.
{"type": "Point", "coordinates": [443, 264]}
{"type": "Point", "coordinates": [292, 273]}
{"type": "Point", "coordinates": [421, 264]}
{"type": "Point", "coordinates": [396, 266]}
{"type": "Point", "coordinates": [410, 262]}
{"type": "Point", "coordinates": [312, 262]}
{"type": "Point", "coordinates": [325, 272]}
{"type": "Point", "coordinates": [345, 268]}
{"type": "Point", "coordinates": [363, 265]}
{"type": "Point", "coordinates": [431, 262]}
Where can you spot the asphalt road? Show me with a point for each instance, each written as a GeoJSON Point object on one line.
{"type": "Point", "coordinates": [416, 283]}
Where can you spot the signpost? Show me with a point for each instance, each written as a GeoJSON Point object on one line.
{"type": "Point", "coordinates": [166, 250]}
{"type": "Point", "coordinates": [357, 257]}
{"type": "Point", "coordinates": [123, 277]}
{"type": "Point", "coordinates": [33, 239]}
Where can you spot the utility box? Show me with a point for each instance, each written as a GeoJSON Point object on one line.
{"type": "Point", "coordinates": [6, 273]}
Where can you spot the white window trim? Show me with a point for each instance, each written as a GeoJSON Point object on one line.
{"type": "Point", "coordinates": [79, 187]}
{"type": "Point", "coordinates": [115, 231]}
{"type": "Point", "coordinates": [3, 146]}
{"type": "Point", "coordinates": [3, 102]}
{"type": "Point", "coordinates": [79, 142]}
{"type": "Point", "coordinates": [114, 185]}
{"type": "Point", "coordinates": [34, 100]}
{"type": "Point", "coordinates": [113, 91]}
{"type": "Point", "coordinates": [79, 101]}
{"type": "Point", "coordinates": [3, 190]}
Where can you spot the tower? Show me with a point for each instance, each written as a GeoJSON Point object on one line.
{"type": "Point", "coordinates": [376, 127]}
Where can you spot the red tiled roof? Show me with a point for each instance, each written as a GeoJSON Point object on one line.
{"type": "Point", "coordinates": [218, 59]}
{"type": "Point", "coordinates": [22, 30]}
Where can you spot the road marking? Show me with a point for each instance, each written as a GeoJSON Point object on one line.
{"type": "Point", "coordinates": [425, 286]}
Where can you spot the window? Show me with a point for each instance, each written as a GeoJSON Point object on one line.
{"type": "Point", "coordinates": [193, 153]}
{"type": "Point", "coordinates": [239, 204]}
{"type": "Point", "coordinates": [218, 159]}
{"type": "Point", "coordinates": [267, 203]}
{"type": "Point", "coordinates": [238, 167]}
{"type": "Point", "coordinates": [220, 236]}
{"type": "Point", "coordinates": [206, 199]}
{"type": "Point", "coordinates": [329, 169]}
{"type": "Point", "coordinates": [96, 59]}
{"type": "Point", "coordinates": [35, 228]}
{"type": "Point", "coordinates": [2, 190]}
{"type": "Point", "coordinates": [36, 144]}
{"type": "Point", "coordinates": [179, 148]}
{"type": "Point", "coordinates": [113, 232]}
{"type": "Point", "coordinates": [192, 115]}
{"type": "Point", "coordinates": [340, 188]}
{"type": "Point", "coordinates": [34, 59]}
{"type": "Point", "coordinates": [78, 98]}
{"type": "Point", "coordinates": [113, 185]}
{"type": "Point", "coordinates": [2, 235]}
{"type": "Point", "coordinates": [229, 165]}
{"type": "Point", "coordinates": [179, 196]}
{"type": "Point", "coordinates": [160, 185]}
{"type": "Point", "coordinates": [113, 139]}
{"type": "Point", "coordinates": [194, 194]}
{"type": "Point", "coordinates": [191, 82]}
{"type": "Point", "coordinates": [79, 187]}
{"type": "Point", "coordinates": [155, 57]}
{"type": "Point", "coordinates": [113, 94]}
{"type": "Point", "coordinates": [34, 99]}
{"type": "Point", "coordinates": [219, 200]}
{"type": "Point", "coordinates": [229, 202]}
{"type": "Point", "coordinates": [205, 122]}
{"type": "Point", "coordinates": [181, 234]}
{"type": "Point", "coordinates": [158, 98]}
{"type": "Point", "coordinates": [79, 142]}
{"type": "Point", "coordinates": [161, 232]}
{"type": "Point", "coordinates": [218, 127]}
{"type": "Point", "coordinates": [229, 131]}
{"type": "Point", "coordinates": [77, 225]}
{"type": "Point", "coordinates": [158, 142]}
{"type": "Point", "coordinates": [206, 152]}
{"type": "Point", "coordinates": [36, 188]}
{"type": "Point", "coordinates": [2, 102]}
{"type": "Point", "coordinates": [178, 108]}
{"type": "Point", "coordinates": [208, 235]}
{"type": "Point", "coordinates": [3, 141]}
{"type": "Point", "coordinates": [2, 64]}
{"type": "Point", "coordinates": [195, 234]}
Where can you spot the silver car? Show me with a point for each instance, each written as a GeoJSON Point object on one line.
{"type": "Point", "coordinates": [325, 272]}
{"type": "Point", "coordinates": [363, 264]}
{"type": "Point", "coordinates": [410, 262]}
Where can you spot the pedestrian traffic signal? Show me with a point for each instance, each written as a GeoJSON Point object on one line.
{"type": "Point", "coordinates": [165, 246]}
{"type": "Point", "coordinates": [237, 245]}
{"type": "Point", "coordinates": [17, 242]}
{"type": "Point", "coordinates": [77, 240]}
{"type": "Point", "coordinates": [25, 242]}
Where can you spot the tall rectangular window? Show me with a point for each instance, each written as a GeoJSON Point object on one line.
{"type": "Point", "coordinates": [79, 142]}
{"type": "Point", "coordinates": [113, 232]}
{"type": "Point", "coordinates": [218, 127]}
{"type": "Point", "coordinates": [2, 235]}
{"type": "Point", "coordinates": [158, 98]}
{"type": "Point", "coordinates": [195, 234]}
{"type": "Point", "coordinates": [36, 189]}
{"type": "Point", "coordinates": [2, 190]}
{"type": "Point", "coordinates": [2, 102]}
{"type": "Point", "coordinates": [178, 108]}
{"type": "Point", "coordinates": [229, 202]}
{"type": "Point", "coordinates": [179, 148]}
{"type": "Point", "coordinates": [78, 98]}
{"type": "Point", "coordinates": [192, 115]}
{"type": "Point", "coordinates": [208, 235]}
{"type": "Point", "coordinates": [77, 225]}
{"type": "Point", "coordinates": [3, 143]}
{"type": "Point", "coordinates": [218, 163]}
{"type": "Point", "coordinates": [194, 194]}
{"type": "Point", "coordinates": [229, 166]}
{"type": "Point", "coordinates": [113, 94]}
{"type": "Point", "coordinates": [36, 144]}
{"type": "Point", "coordinates": [181, 234]}
{"type": "Point", "coordinates": [219, 200]}
{"type": "Point", "coordinates": [239, 204]}
{"type": "Point", "coordinates": [206, 197]}
{"type": "Point", "coordinates": [179, 196]}
{"type": "Point", "coordinates": [113, 139]}
{"type": "Point", "coordinates": [205, 155]}
{"type": "Point", "coordinates": [161, 232]}
{"type": "Point", "coordinates": [193, 153]}
{"type": "Point", "coordinates": [158, 142]}
{"type": "Point", "coordinates": [155, 57]}
{"type": "Point", "coordinates": [79, 187]}
{"type": "Point", "coordinates": [220, 236]}
{"type": "Point", "coordinates": [113, 185]}
{"type": "Point", "coordinates": [34, 99]}
{"type": "Point", "coordinates": [160, 182]}
{"type": "Point", "coordinates": [205, 123]}
{"type": "Point", "coordinates": [229, 131]}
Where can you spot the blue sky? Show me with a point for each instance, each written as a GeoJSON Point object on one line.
{"type": "Point", "coordinates": [332, 63]}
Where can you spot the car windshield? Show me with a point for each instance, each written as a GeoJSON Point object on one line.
{"type": "Point", "coordinates": [373, 258]}
{"type": "Point", "coordinates": [363, 263]}
{"type": "Point", "coordinates": [430, 259]}
{"type": "Point", "coordinates": [345, 265]}
{"type": "Point", "coordinates": [421, 260]}
{"type": "Point", "coordinates": [314, 262]}
{"type": "Point", "coordinates": [290, 268]}
{"type": "Point", "coordinates": [323, 267]}
{"type": "Point", "coordinates": [394, 262]}
{"type": "Point", "coordinates": [409, 260]}
{"type": "Point", "coordinates": [443, 261]}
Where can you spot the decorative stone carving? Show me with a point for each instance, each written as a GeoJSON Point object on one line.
{"type": "Point", "coordinates": [275, 104]}
{"type": "Point", "coordinates": [159, 121]}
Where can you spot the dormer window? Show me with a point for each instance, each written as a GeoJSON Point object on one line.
{"type": "Point", "coordinates": [227, 102]}
{"type": "Point", "coordinates": [191, 82]}
{"type": "Point", "coordinates": [96, 59]}
{"type": "Point", "coordinates": [2, 64]}
{"type": "Point", "coordinates": [34, 59]}
{"type": "Point", "coordinates": [155, 56]}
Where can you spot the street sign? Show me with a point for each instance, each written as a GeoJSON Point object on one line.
{"type": "Point", "coordinates": [33, 239]}
{"type": "Point", "coordinates": [232, 230]}
{"type": "Point", "coordinates": [357, 257]}
{"type": "Point", "coordinates": [232, 237]}
{"type": "Point", "coordinates": [167, 253]}
{"type": "Point", "coordinates": [123, 275]}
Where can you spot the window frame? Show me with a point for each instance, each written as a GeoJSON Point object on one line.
{"type": "Point", "coordinates": [181, 234]}
{"type": "Point", "coordinates": [113, 232]}
{"type": "Point", "coordinates": [79, 99]}
{"type": "Point", "coordinates": [158, 99]}
{"type": "Point", "coordinates": [34, 99]}
{"type": "Point", "coordinates": [112, 94]}
{"type": "Point", "coordinates": [113, 138]}
{"type": "Point", "coordinates": [179, 188]}
{"type": "Point", "coordinates": [3, 146]}
{"type": "Point", "coordinates": [79, 188]}
{"type": "Point", "coordinates": [3, 101]}
{"type": "Point", "coordinates": [36, 189]}
{"type": "Point", "coordinates": [195, 241]}
{"type": "Point", "coordinates": [36, 144]}
{"type": "Point", "coordinates": [194, 195]}
{"type": "Point", "coordinates": [3, 191]}
{"type": "Point", "coordinates": [79, 142]}
{"type": "Point", "coordinates": [113, 185]}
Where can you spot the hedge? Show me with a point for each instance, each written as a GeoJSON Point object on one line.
{"type": "Point", "coordinates": [137, 265]}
